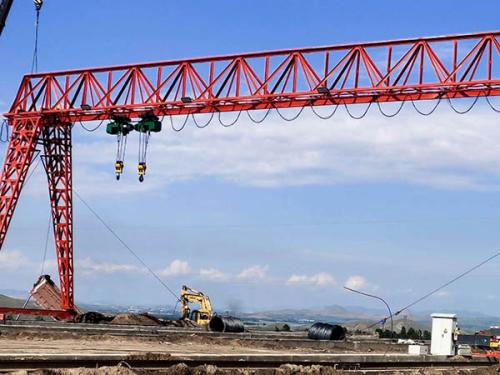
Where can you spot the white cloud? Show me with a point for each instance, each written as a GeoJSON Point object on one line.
{"type": "Point", "coordinates": [356, 282]}
{"type": "Point", "coordinates": [254, 272]}
{"type": "Point", "coordinates": [176, 268]}
{"type": "Point", "coordinates": [320, 279]}
{"type": "Point", "coordinates": [13, 260]}
{"type": "Point", "coordinates": [88, 265]}
{"type": "Point", "coordinates": [444, 150]}
{"type": "Point", "coordinates": [213, 274]}
{"type": "Point", "coordinates": [443, 294]}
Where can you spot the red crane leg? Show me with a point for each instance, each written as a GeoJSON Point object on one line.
{"type": "Point", "coordinates": [57, 162]}
{"type": "Point", "coordinates": [22, 145]}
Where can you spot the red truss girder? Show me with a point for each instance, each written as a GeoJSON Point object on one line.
{"type": "Point", "coordinates": [412, 69]}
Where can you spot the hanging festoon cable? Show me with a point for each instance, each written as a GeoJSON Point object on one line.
{"type": "Point", "coordinates": [149, 123]}
{"type": "Point", "coordinates": [121, 127]}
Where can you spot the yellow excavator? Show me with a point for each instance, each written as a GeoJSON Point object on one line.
{"type": "Point", "coordinates": [203, 314]}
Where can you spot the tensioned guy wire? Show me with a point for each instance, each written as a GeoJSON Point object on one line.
{"type": "Point", "coordinates": [124, 244]}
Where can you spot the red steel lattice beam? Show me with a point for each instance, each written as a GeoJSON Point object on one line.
{"type": "Point", "coordinates": [413, 69]}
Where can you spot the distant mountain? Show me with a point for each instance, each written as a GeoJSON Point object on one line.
{"type": "Point", "coordinates": [356, 317]}
{"type": "Point", "coordinates": [6, 301]}
{"type": "Point", "coordinates": [14, 293]}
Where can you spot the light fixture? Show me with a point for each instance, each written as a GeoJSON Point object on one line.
{"type": "Point", "coordinates": [86, 107]}
{"type": "Point", "coordinates": [323, 90]}
{"type": "Point", "coordinates": [186, 99]}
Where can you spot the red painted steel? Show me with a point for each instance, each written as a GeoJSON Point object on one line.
{"type": "Point", "coordinates": [57, 162]}
{"type": "Point", "coordinates": [414, 69]}
{"type": "Point", "coordinates": [455, 66]}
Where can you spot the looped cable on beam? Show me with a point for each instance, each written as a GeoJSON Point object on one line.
{"type": "Point", "coordinates": [293, 118]}
{"type": "Point", "coordinates": [261, 120]}
{"type": "Point", "coordinates": [491, 105]}
{"type": "Point", "coordinates": [425, 113]}
{"type": "Point", "coordinates": [389, 115]}
{"type": "Point", "coordinates": [327, 117]}
{"type": "Point", "coordinates": [358, 117]}
{"type": "Point", "coordinates": [182, 126]}
{"type": "Point", "coordinates": [230, 124]}
{"type": "Point", "coordinates": [204, 125]}
{"type": "Point", "coordinates": [91, 130]}
{"type": "Point", "coordinates": [467, 110]}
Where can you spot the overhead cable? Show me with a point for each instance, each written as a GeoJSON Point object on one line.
{"type": "Point", "coordinates": [425, 113]}
{"type": "Point", "coordinates": [448, 283]}
{"type": "Point", "coordinates": [227, 125]}
{"type": "Point", "coordinates": [467, 110]}
{"type": "Point", "coordinates": [124, 244]}
{"type": "Point", "coordinates": [390, 114]}
{"type": "Point", "coordinates": [357, 117]}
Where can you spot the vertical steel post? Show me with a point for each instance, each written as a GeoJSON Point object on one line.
{"type": "Point", "coordinates": [58, 165]}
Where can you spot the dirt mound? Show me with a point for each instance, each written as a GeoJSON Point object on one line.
{"type": "Point", "coordinates": [136, 319]}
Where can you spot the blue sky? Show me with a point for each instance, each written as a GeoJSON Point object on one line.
{"type": "Point", "coordinates": [280, 215]}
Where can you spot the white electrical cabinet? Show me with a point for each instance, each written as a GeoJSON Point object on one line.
{"type": "Point", "coordinates": [443, 329]}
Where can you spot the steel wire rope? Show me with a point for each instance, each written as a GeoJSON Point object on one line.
{"type": "Point", "coordinates": [124, 244]}
{"type": "Point", "coordinates": [357, 117]}
{"type": "Point", "coordinates": [491, 105]}
{"type": "Point", "coordinates": [293, 118]}
{"type": "Point", "coordinates": [204, 125]}
{"type": "Point", "coordinates": [258, 121]}
{"type": "Point", "coordinates": [232, 123]}
{"type": "Point", "coordinates": [34, 61]}
{"type": "Point", "coordinates": [467, 110]}
{"type": "Point", "coordinates": [434, 291]}
{"type": "Point", "coordinates": [392, 114]}
{"type": "Point", "coordinates": [425, 113]}
{"type": "Point", "coordinates": [327, 117]}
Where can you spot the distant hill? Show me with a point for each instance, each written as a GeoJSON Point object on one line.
{"type": "Point", "coordinates": [6, 301]}
{"type": "Point", "coordinates": [360, 318]}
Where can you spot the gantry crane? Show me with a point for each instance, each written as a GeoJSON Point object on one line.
{"type": "Point", "coordinates": [48, 104]}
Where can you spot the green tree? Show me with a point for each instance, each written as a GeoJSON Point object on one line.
{"type": "Point", "coordinates": [402, 333]}
{"type": "Point", "coordinates": [427, 335]}
{"type": "Point", "coordinates": [412, 334]}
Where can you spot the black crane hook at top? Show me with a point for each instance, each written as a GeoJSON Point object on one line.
{"type": "Point", "coordinates": [38, 4]}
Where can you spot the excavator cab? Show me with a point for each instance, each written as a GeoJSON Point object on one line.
{"type": "Point", "coordinates": [200, 316]}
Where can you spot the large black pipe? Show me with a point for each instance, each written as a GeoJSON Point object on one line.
{"type": "Point", "coordinates": [325, 331]}
{"type": "Point", "coordinates": [226, 324]}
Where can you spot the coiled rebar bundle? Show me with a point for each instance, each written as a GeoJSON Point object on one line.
{"type": "Point", "coordinates": [226, 324]}
{"type": "Point", "coordinates": [326, 331]}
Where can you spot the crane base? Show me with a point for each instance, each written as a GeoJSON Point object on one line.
{"type": "Point", "coordinates": [57, 314]}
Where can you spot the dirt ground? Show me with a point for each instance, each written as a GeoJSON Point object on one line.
{"type": "Point", "coordinates": [71, 342]}
{"type": "Point", "coordinates": [182, 369]}
{"type": "Point", "coordinates": [27, 342]}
